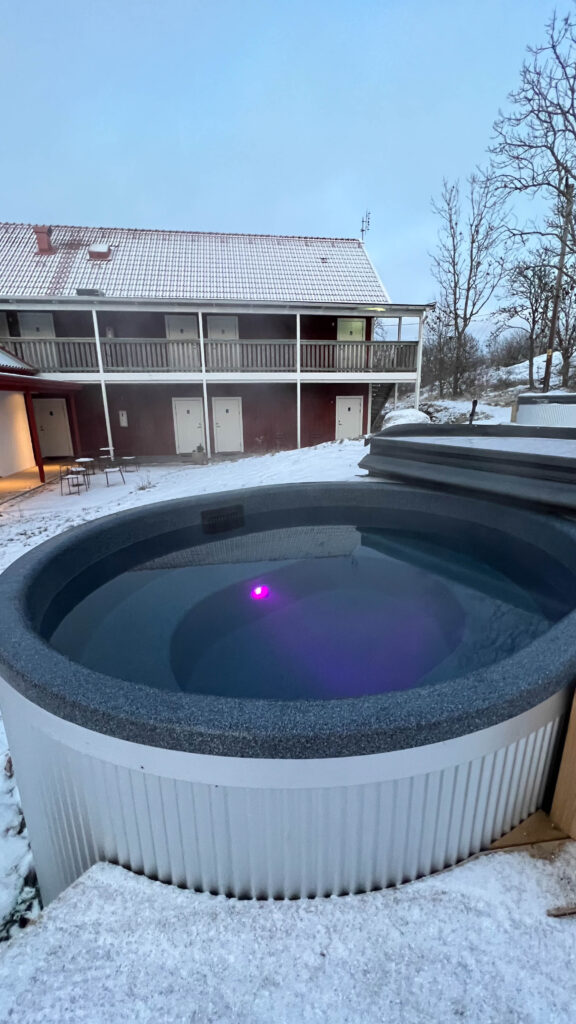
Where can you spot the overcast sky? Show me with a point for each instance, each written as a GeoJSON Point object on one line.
{"type": "Point", "coordinates": [278, 116]}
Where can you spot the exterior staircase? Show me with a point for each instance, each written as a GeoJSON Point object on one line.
{"type": "Point", "coordinates": [380, 395]}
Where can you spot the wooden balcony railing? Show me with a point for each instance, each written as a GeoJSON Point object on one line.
{"type": "Point", "coordinates": [370, 356]}
{"type": "Point", "coordinates": [55, 355]}
{"type": "Point", "coordinates": [122, 354]}
{"type": "Point", "coordinates": [78, 355]}
{"type": "Point", "coordinates": [259, 356]}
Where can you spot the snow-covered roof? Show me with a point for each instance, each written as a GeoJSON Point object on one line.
{"type": "Point", "coordinates": [11, 364]}
{"type": "Point", "coordinates": [187, 265]}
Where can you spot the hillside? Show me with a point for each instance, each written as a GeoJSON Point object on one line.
{"type": "Point", "coordinates": [496, 393]}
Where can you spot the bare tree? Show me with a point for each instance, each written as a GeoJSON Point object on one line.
{"type": "Point", "coordinates": [534, 149]}
{"type": "Point", "coordinates": [469, 262]}
{"type": "Point", "coordinates": [530, 287]}
{"type": "Point", "coordinates": [439, 352]}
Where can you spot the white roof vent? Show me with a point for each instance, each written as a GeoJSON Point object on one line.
{"type": "Point", "coordinates": [100, 251]}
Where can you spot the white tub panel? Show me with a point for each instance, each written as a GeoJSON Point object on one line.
{"type": "Point", "coordinates": [546, 414]}
{"type": "Point", "coordinates": [271, 839]}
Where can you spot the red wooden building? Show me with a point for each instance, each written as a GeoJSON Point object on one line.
{"type": "Point", "coordinates": [174, 343]}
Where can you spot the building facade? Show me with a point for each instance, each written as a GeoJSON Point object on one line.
{"type": "Point", "coordinates": [183, 344]}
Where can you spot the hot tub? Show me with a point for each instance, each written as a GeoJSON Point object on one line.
{"type": "Point", "coordinates": [289, 691]}
{"type": "Point", "coordinates": [553, 409]}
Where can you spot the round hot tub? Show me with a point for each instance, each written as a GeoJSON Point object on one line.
{"type": "Point", "coordinates": [553, 409]}
{"type": "Point", "coordinates": [287, 691]}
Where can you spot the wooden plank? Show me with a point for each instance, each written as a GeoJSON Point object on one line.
{"type": "Point", "coordinates": [538, 828]}
{"type": "Point", "coordinates": [563, 812]}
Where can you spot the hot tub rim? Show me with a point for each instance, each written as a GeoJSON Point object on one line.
{"type": "Point", "coordinates": [295, 729]}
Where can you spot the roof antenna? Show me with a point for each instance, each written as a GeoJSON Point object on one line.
{"type": "Point", "coordinates": [365, 224]}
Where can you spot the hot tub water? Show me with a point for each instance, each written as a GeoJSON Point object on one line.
{"type": "Point", "coordinates": [364, 612]}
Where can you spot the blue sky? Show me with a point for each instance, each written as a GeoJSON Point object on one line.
{"type": "Point", "coordinates": [277, 117]}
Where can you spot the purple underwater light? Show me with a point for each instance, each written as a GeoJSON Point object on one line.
{"type": "Point", "coordinates": [260, 593]}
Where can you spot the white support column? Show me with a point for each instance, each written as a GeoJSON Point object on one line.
{"type": "Point", "coordinates": [204, 387]}
{"type": "Point", "coordinates": [419, 361]}
{"type": "Point", "coordinates": [369, 417]}
{"type": "Point", "coordinates": [298, 385]}
{"type": "Point", "coordinates": [102, 382]}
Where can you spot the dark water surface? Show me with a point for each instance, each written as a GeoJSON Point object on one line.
{"type": "Point", "coordinates": [340, 612]}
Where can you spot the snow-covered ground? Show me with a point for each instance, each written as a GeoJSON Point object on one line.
{"type": "Point", "coordinates": [43, 514]}
{"type": "Point", "coordinates": [496, 394]}
{"type": "Point", "coordinates": [517, 375]}
{"type": "Point", "coordinates": [446, 410]}
{"type": "Point", "coordinates": [472, 944]}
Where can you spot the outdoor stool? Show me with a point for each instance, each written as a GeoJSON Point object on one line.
{"type": "Point", "coordinates": [80, 471]}
{"type": "Point", "coordinates": [87, 463]}
{"type": "Point", "coordinates": [74, 481]}
{"type": "Point", "coordinates": [108, 470]}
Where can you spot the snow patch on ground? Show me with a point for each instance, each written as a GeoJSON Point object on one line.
{"type": "Point", "coordinates": [519, 373]}
{"type": "Point", "coordinates": [398, 417]}
{"type": "Point", "coordinates": [27, 521]}
{"type": "Point", "coordinates": [473, 944]}
{"type": "Point", "coordinates": [458, 410]}
{"type": "Point", "coordinates": [17, 898]}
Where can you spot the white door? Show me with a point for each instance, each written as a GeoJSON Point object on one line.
{"type": "Point", "coordinates": [181, 327]}
{"type": "Point", "coordinates": [228, 432]}
{"type": "Point", "coordinates": [350, 329]}
{"type": "Point", "coordinates": [33, 324]}
{"type": "Point", "coordinates": [188, 425]}
{"type": "Point", "coordinates": [223, 328]}
{"type": "Point", "coordinates": [349, 410]}
{"type": "Point", "coordinates": [352, 355]}
{"type": "Point", "coordinates": [53, 428]}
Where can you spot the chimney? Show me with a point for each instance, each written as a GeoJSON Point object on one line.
{"type": "Point", "coordinates": [43, 240]}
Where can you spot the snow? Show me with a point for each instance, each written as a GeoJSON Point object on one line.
{"type": "Point", "coordinates": [401, 416]}
{"type": "Point", "coordinates": [473, 944]}
{"type": "Point", "coordinates": [458, 410]}
{"type": "Point", "coordinates": [15, 856]}
{"type": "Point", "coordinates": [553, 447]}
{"type": "Point", "coordinates": [555, 393]}
{"type": "Point", "coordinates": [518, 374]}
{"type": "Point", "coordinates": [45, 513]}
{"type": "Point", "coordinates": [498, 391]}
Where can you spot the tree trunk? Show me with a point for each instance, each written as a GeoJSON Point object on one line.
{"type": "Point", "coordinates": [531, 362]}
{"type": "Point", "coordinates": [565, 369]}
{"type": "Point", "coordinates": [456, 369]}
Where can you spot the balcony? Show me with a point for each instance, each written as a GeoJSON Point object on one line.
{"type": "Point", "coordinates": [359, 357]}
{"type": "Point", "coordinates": [154, 355]}
{"type": "Point", "coordinates": [252, 356]}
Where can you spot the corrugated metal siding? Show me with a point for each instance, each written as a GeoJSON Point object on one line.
{"type": "Point", "coordinates": [267, 842]}
{"type": "Point", "coordinates": [547, 414]}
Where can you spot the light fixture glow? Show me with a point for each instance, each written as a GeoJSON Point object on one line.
{"type": "Point", "coordinates": [260, 592]}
